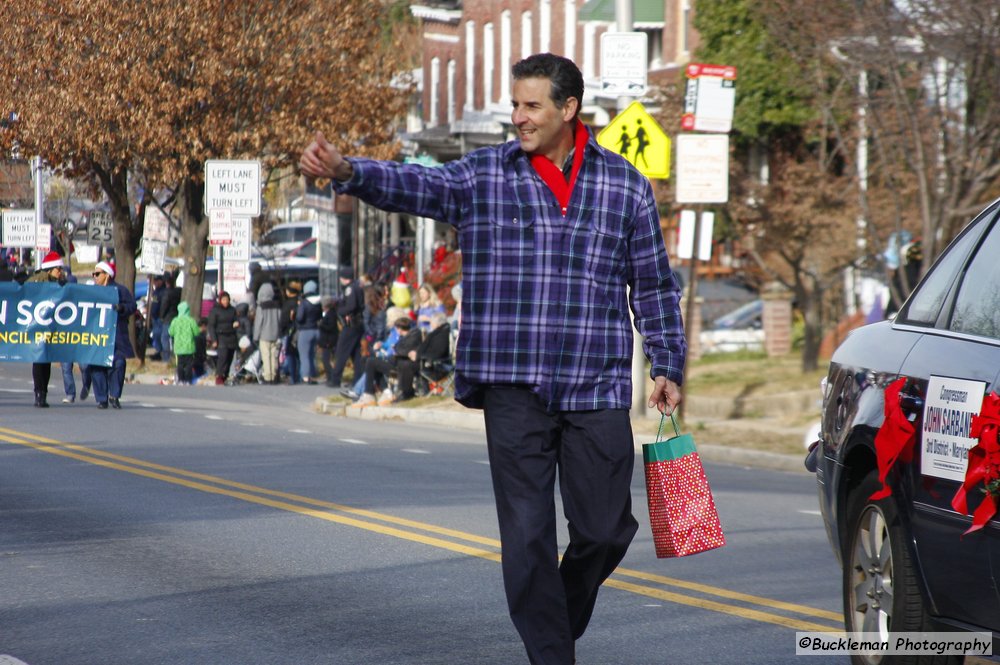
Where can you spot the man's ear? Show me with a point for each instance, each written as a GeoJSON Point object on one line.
{"type": "Point", "coordinates": [570, 108]}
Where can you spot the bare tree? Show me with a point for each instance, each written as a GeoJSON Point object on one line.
{"type": "Point", "coordinates": [136, 97]}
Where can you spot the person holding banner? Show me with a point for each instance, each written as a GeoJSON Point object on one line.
{"type": "Point", "coordinates": [51, 270]}
{"type": "Point", "coordinates": [108, 382]}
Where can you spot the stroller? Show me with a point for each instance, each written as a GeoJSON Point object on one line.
{"type": "Point", "coordinates": [246, 365]}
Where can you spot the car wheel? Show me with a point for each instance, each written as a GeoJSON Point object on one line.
{"type": "Point", "coordinates": [881, 591]}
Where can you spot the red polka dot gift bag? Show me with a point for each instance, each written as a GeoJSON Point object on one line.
{"type": "Point", "coordinates": [681, 509]}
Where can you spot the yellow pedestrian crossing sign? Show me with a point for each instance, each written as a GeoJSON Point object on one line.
{"type": "Point", "coordinates": [637, 137]}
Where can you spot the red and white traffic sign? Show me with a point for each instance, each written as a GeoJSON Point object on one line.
{"type": "Point", "coordinates": [220, 226]}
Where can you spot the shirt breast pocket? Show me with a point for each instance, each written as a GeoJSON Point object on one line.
{"type": "Point", "coordinates": [513, 240]}
{"type": "Point", "coordinates": [605, 256]}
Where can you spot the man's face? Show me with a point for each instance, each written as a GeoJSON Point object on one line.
{"type": "Point", "coordinates": [541, 125]}
{"type": "Point", "coordinates": [101, 278]}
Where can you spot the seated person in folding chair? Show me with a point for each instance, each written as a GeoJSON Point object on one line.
{"type": "Point", "coordinates": [434, 353]}
{"type": "Point", "coordinates": [401, 362]}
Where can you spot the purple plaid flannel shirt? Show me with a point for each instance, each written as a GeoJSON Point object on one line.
{"type": "Point", "coordinates": [544, 300]}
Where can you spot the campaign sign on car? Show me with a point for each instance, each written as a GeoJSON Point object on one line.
{"type": "Point", "coordinates": [948, 411]}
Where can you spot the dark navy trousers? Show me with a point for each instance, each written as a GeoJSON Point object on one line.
{"type": "Point", "coordinates": [109, 381]}
{"type": "Point", "coordinates": [592, 454]}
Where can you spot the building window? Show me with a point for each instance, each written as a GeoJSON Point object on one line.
{"type": "Point", "coordinates": [545, 26]}
{"type": "Point", "coordinates": [506, 35]}
{"type": "Point", "coordinates": [570, 30]}
{"type": "Point", "coordinates": [470, 65]}
{"type": "Point", "coordinates": [589, 50]}
{"type": "Point", "coordinates": [434, 91]}
{"type": "Point", "coordinates": [452, 68]}
{"type": "Point", "coordinates": [526, 35]}
{"type": "Point", "coordinates": [488, 65]}
{"type": "Point", "coordinates": [686, 28]}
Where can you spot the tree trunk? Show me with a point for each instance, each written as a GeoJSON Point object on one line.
{"type": "Point", "coordinates": [126, 240]}
{"type": "Point", "coordinates": [812, 313]}
{"type": "Point", "coordinates": [194, 236]}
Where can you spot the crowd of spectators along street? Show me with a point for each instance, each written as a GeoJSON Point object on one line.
{"type": "Point", "coordinates": [398, 342]}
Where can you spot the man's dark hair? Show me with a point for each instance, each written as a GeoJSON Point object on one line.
{"type": "Point", "coordinates": [565, 76]}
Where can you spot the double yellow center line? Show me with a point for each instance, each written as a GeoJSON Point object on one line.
{"type": "Point", "coordinates": [650, 585]}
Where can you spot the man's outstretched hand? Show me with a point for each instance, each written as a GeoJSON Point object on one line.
{"type": "Point", "coordinates": [321, 160]}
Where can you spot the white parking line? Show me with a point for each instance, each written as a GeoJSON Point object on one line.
{"type": "Point", "coordinates": [212, 416]}
{"type": "Point", "coordinates": [416, 451]}
{"type": "Point", "coordinates": [810, 512]}
{"type": "Point", "coordinates": [357, 442]}
{"type": "Point", "coordinates": [483, 461]}
{"type": "Point", "coordinates": [147, 405]}
{"type": "Point", "coordinates": [300, 431]}
{"type": "Point", "coordinates": [177, 410]}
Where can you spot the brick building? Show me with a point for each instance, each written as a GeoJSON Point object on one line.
{"type": "Point", "coordinates": [469, 48]}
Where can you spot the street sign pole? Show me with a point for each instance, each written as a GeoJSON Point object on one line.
{"type": "Point", "coordinates": [692, 289]}
{"type": "Point", "coordinates": [36, 170]}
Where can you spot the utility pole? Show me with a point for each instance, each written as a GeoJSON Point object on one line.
{"type": "Point", "coordinates": [36, 172]}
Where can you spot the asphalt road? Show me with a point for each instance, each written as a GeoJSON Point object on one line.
{"type": "Point", "coordinates": [232, 526]}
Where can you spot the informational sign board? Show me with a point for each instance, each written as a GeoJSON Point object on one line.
{"type": "Point", "coordinates": [636, 136]}
{"type": "Point", "coordinates": [709, 98]}
{"type": "Point", "coordinates": [946, 439]}
{"type": "Point", "coordinates": [234, 275]}
{"type": "Point", "coordinates": [43, 238]}
{"type": "Point", "coordinates": [702, 168]}
{"type": "Point", "coordinates": [685, 240]}
{"type": "Point", "coordinates": [155, 225]}
{"type": "Point", "coordinates": [152, 259]}
{"type": "Point", "coordinates": [623, 64]}
{"type": "Point", "coordinates": [233, 185]}
{"type": "Point", "coordinates": [100, 230]}
{"type": "Point", "coordinates": [238, 248]}
{"type": "Point", "coordinates": [18, 228]}
{"type": "Point", "coordinates": [220, 227]}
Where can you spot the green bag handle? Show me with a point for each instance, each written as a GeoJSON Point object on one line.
{"type": "Point", "coordinates": [670, 449]}
{"type": "Point", "coordinates": [663, 417]}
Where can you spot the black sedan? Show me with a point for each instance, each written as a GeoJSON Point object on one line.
{"type": "Point", "coordinates": [912, 561]}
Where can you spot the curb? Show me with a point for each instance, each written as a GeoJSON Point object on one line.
{"type": "Point", "coordinates": [473, 420]}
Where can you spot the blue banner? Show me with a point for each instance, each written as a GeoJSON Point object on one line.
{"type": "Point", "coordinates": [43, 322]}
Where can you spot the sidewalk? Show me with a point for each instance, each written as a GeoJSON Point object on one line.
{"type": "Point", "coordinates": [472, 419]}
{"type": "Point", "coordinates": [451, 414]}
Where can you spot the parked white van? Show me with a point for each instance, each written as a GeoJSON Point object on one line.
{"type": "Point", "coordinates": [284, 238]}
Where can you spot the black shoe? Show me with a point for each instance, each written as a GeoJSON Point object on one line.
{"type": "Point", "coordinates": [115, 404]}
{"type": "Point", "coordinates": [102, 405]}
{"type": "Point", "coordinates": [84, 393]}
{"type": "Point", "coordinates": [40, 400]}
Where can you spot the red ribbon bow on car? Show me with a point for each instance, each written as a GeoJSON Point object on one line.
{"type": "Point", "coordinates": [895, 439]}
{"type": "Point", "coordinates": [984, 464]}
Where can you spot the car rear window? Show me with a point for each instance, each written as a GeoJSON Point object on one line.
{"type": "Point", "coordinates": [924, 306]}
{"type": "Point", "coordinates": [977, 305]}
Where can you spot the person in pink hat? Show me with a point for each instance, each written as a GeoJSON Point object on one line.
{"type": "Point", "coordinates": [52, 269]}
{"type": "Point", "coordinates": [109, 381]}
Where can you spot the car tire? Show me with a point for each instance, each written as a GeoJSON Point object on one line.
{"type": "Point", "coordinates": [880, 584]}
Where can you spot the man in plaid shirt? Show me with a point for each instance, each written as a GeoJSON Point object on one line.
{"type": "Point", "coordinates": [553, 229]}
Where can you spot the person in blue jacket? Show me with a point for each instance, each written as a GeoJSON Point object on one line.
{"type": "Point", "coordinates": [108, 382]}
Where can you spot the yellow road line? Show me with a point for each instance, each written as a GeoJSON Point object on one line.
{"type": "Point", "coordinates": [733, 595]}
{"type": "Point", "coordinates": [257, 495]}
{"type": "Point", "coordinates": [743, 612]}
